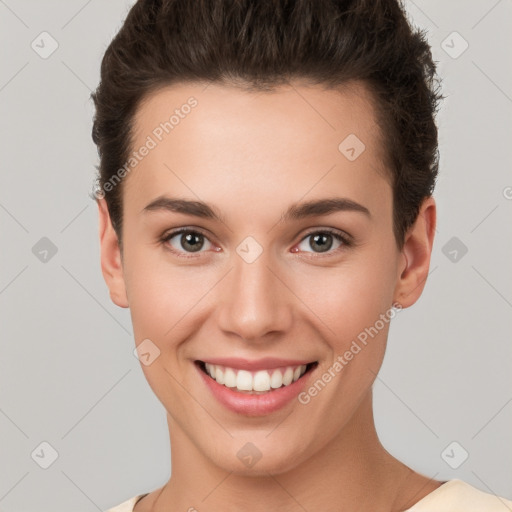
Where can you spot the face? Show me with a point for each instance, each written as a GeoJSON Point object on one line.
{"type": "Point", "coordinates": [268, 274]}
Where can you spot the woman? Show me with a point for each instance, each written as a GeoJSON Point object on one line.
{"type": "Point", "coordinates": [265, 206]}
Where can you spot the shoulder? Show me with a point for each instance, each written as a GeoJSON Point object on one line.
{"type": "Point", "coordinates": [456, 495]}
{"type": "Point", "coordinates": [126, 506]}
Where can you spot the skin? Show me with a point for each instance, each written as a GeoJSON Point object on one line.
{"type": "Point", "coordinates": [252, 155]}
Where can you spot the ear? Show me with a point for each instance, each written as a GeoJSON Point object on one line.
{"type": "Point", "coordinates": [416, 254]}
{"type": "Point", "coordinates": [111, 262]}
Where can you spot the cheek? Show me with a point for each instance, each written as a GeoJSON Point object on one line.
{"type": "Point", "coordinates": [164, 296]}
{"type": "Point", "coordinates": [348, 299]}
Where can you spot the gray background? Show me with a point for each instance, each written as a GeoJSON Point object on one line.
{"type": "Point", "coordinates": [68, 375]}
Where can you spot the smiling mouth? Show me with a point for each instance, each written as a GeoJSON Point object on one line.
{"type": "Point", "coordinates": [255, 382]}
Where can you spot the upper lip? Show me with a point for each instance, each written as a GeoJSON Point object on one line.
{"type": "Point", "coordinates": [265, 363]}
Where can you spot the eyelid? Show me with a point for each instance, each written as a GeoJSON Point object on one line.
{"type": "Point", "coordinates": [332, 231]}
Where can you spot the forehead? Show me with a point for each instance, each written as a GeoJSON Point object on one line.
{"type": "Point", "coordinates": [251, 149]}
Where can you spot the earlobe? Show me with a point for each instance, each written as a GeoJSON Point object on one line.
{"type": "Point", "coordinates": [110, 255]}
{"type": "Point", "coordinates": [416, 253]}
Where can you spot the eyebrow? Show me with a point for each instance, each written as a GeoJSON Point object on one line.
{"type": "Point", "coordinates": [295, 211]}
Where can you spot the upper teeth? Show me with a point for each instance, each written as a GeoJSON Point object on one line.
{"type": "Point", "coordinates": [261, 380]}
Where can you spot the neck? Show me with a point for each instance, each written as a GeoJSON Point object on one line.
{"type": "Point", "coordinates": [352, 471]}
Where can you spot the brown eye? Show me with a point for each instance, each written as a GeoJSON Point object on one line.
{"type": "Point", "coordinates": [186, 241]}
{"type": "Point", "coordinates": [323, 241]}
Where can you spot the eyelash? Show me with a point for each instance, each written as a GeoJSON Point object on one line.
{"type": "Point", "coordinates": [345, 239]}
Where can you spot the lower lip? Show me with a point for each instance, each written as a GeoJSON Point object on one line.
{"type": "Point", "coordinates": [254, 405]}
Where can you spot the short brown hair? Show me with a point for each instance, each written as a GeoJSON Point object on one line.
{"type": "Point", "coordinates": [265, 43]}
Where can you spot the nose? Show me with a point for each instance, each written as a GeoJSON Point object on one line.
{"type": "Point", "coordinates": [255, 303]}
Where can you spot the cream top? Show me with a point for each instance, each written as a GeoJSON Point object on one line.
{"type": "Point", "coordinates": [452, 496]}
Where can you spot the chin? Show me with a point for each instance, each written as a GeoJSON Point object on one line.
{"type": "Point", "coordinates": [258, 459]}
